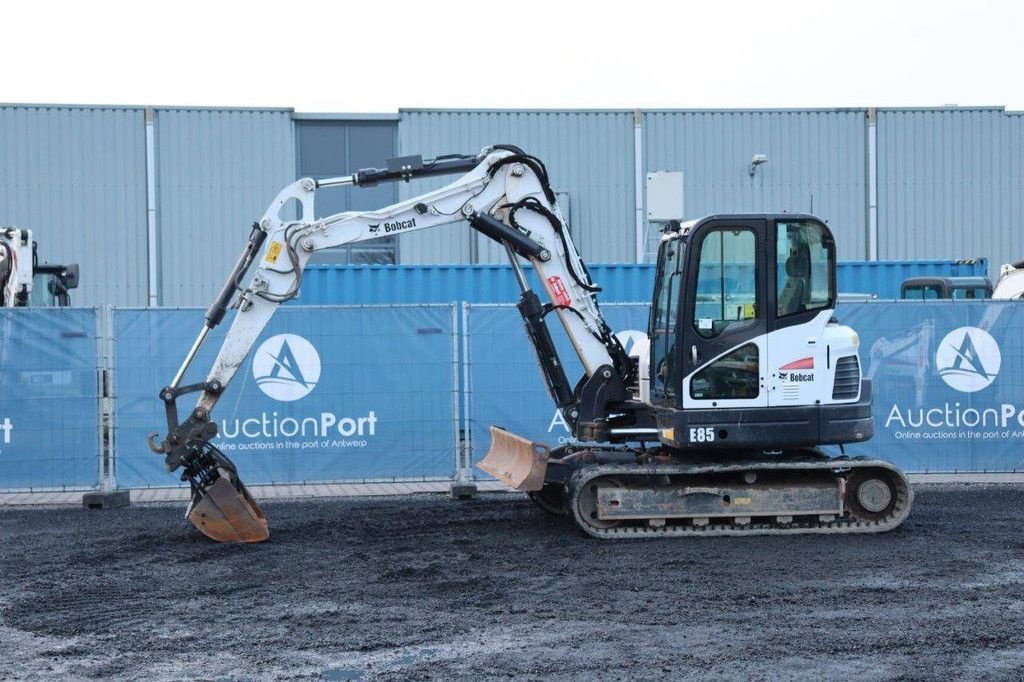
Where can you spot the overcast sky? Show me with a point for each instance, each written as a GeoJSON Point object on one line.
{"type": "Point", "coordinates": [380, 55]}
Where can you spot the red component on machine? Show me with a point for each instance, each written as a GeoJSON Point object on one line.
{"type": "Point", "coordinates": [806, 363]}
{"type": "Point", "coordinates": [558, 291]}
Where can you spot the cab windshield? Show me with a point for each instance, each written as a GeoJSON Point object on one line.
{"type": "Point", "coordinates": [664, 314]}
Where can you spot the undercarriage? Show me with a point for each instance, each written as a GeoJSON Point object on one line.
{"type": "Point", "coordinates": [622, 492]}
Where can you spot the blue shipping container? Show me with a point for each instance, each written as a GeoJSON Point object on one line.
{"type": "Point", "coordinates": [621, 282]}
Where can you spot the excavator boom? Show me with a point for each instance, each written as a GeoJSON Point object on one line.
{"type": "Point", "coordinates": [503, 193]}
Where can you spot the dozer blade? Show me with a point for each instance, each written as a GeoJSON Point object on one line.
{"type": "Point", "coordinates": [226, 512]}
{"type": "Point", "coordinates": [515, 461]}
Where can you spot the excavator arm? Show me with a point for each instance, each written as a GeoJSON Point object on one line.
{"type": "Point", "coordinates": [505, 194]}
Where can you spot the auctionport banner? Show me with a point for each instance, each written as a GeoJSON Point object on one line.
{"type": "Point", "coordinates": [948, 380]}
{"type": "Point", "coordinates": [49, 412]}
{"type": "Point", "coordinates": [326, 394]}
{"type": "Point", "coordinates": [948, 383]}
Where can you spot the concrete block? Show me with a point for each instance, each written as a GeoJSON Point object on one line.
{"type": "Point", "coordinates": [462, 490]}
{"type": "Point", "coordinates": [110, 499]}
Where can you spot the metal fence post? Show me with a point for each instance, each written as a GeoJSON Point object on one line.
{"type": "Point", "coordinates": [108, 496]}
{"type": "Point", "coordinates": [463, 488]}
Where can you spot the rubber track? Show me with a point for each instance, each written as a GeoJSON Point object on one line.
{"type": "Point", "coordinates": [723, 527]}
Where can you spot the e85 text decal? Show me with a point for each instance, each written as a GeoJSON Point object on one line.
{"type": "Point", "coordinates": [702, 434]}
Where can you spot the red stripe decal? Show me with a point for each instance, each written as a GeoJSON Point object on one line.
{"type": "Point", "coordinates": [806, 363]}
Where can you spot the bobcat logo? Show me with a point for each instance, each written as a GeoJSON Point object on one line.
{"type": "Point", "coordinates": [374, 229]}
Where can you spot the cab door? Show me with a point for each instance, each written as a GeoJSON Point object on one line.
{"type": "Point", "coordinates": [724, 319]}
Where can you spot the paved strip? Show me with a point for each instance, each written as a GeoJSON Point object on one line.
{"type": "Point", "coordinates": [261, 492]}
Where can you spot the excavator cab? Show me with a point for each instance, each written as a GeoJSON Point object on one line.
{"type": "Point", "coordinates": [742, 325]}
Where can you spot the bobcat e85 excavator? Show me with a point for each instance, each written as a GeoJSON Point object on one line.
{"type": "Point", "coordinates": [749, 370]}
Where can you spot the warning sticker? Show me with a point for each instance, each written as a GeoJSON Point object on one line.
{"type": "Point", "coordinates": [558, 291]}
{"type": "Point", "coordinates": [273, 252]}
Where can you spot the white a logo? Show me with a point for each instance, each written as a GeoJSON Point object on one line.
{"type": "Point", "coordinates": [286, 367]}
{"type": "Point", "coordinates": [968, 359]}
{"type": "Point", "coordinates": [629, 338]}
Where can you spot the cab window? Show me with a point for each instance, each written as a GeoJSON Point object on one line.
{"type": "Point", "coordinates": [735, 376]}
{"type": "Point", "coordinates": [923, 292]}
{"type": "Point", "coordinates": [970, 293]}
{"type": "Point", "coordinates": [805, 258]}
{"type": "Point", "coordinates": [726, 296]}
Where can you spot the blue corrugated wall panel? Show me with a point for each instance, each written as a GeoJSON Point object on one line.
{"type": "Point", "coordinates": [589, 155]}
{"type": "Point", "coordinates": [621, 283]}
{"type": "Point", "coordinates": [951, 184]}
{"type": "Point", "coordinates": [217, 171]}
{"type": "Point", "coordinates": [76, 176]}
{"type": "Point", "coordinates": [816, 164]}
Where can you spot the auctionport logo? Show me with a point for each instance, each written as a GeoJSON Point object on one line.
{"type": "Point", "coordinates": [629, 338]}
{"type": "Point", "coordinates": [968, 359]}
{"type": "Point", "coordinates": [286, 367]}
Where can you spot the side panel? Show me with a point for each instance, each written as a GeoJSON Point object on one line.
{"type": "Point", "coordinates": [800, 365]}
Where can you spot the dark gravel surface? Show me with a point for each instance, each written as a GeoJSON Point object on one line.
{"type": "Point", "coordinates": [422, 587]}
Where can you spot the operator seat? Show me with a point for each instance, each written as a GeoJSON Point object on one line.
{"type": "Point", "coordinates": [798, 282]}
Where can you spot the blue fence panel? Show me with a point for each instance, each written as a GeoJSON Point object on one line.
{"type": "Point", "coordinates": [327, 394]}
{"type": "Point", "coordinates": [49, 408]}
{"type": "Point", "coordinates": [505, 384]}
{"type": "Point", "coordinates": [948, 383]}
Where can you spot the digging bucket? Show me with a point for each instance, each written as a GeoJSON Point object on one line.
{"type": "Point", "coordinates": [226, 512]}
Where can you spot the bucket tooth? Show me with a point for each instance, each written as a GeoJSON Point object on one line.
{"type": "Point", "coordinates": [517, 462]}
{"type": "Point", "coordinates": [226, 512]}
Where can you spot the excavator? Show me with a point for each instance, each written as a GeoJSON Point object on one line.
{"type": "Point", "coordinates": [24, 281]}
{"type": "Point", "coordinates": [717, 429]}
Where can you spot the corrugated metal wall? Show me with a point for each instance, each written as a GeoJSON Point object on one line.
{"type": "Point", "coordinates": [589, 155]}
{"type": "Point", "coordinates": [950, 181]}
{"type": "Point", "coordinates": [76, 176]}
{"type": "Point", "coordinates": [816, 164]}
{"type": "Point", "coordinates": [217, 171]}
{"type": "Point", "coordinates": [951, 184]}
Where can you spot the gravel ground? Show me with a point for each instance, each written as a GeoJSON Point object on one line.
{"type": "Point", "coordinates": [422, 587]}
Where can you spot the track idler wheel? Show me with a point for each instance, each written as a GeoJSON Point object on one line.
{"type": "Point", "coordinates": [586, 502]}
{"type": "Point", "coordinates": [871, 495]}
